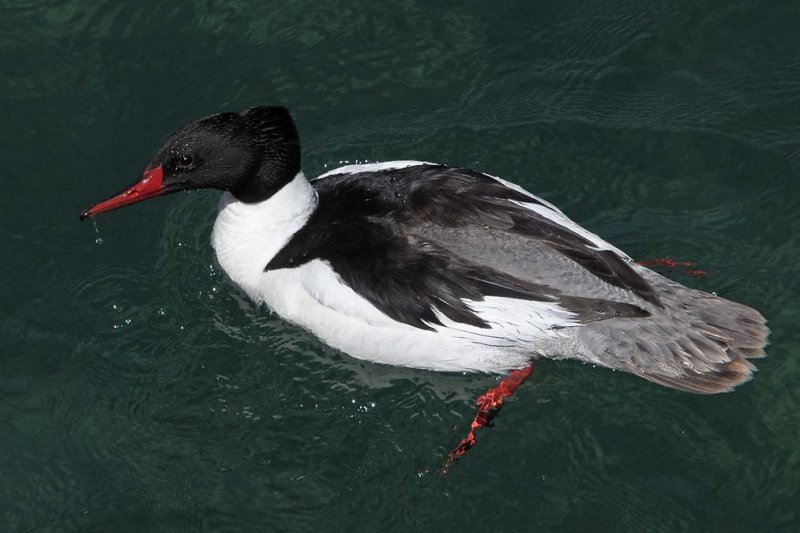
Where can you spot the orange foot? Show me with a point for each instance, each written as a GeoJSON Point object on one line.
{"type": "Point", "coordinates": [671, 263]}
{"type": "Point", "coordinates": [489, 405]}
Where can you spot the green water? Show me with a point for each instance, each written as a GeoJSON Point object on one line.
{"type": "Point", "coordinates": [141, 391]}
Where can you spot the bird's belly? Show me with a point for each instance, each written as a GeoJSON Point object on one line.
{"type": "Point", "coordinates": [313, 297]}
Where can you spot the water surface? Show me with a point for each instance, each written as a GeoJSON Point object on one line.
{"type": "Point", "coordinates": [141, 391]}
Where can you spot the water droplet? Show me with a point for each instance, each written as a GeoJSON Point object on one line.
{"type": "Point", "coordinates": [99, 239]}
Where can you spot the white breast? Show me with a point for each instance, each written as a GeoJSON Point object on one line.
{"type": "Point", "coordinates": [246, 236]}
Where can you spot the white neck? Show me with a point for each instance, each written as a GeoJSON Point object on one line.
{"type": "Point", "coordinates": [247, 236]}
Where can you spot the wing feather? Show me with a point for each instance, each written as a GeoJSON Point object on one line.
{"type": "Point", "coordinates": [396, 235]}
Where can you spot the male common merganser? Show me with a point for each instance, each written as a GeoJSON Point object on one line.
{"type": "Point", "coordinates": [436, 267]}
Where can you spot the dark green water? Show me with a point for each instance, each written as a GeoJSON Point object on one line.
{"type": "Point", "coordinates": [141, 391]}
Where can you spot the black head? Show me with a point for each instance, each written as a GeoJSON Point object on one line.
{"type": "Point", "coordinates": [252, 154]}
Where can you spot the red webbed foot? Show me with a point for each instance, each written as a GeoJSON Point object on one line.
{"type": "Point", "coordinates": [670, 263]}
{"type": "Point", "coordinates": [489, 405]}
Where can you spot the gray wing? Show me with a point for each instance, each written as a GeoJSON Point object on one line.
{"type": "Point", "coordinates": [486, 222]}
{"type": "Point", "coordinates": [529, 259]}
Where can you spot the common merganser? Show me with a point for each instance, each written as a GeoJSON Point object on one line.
{"type": "Point", "coordinates": [436, 267]}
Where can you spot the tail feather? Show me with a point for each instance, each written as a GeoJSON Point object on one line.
{"type": "Point", "coordinates": [698, 342]}
{"type": "Point", "coordinates": [721, 378]}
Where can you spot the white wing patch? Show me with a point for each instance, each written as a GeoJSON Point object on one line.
{"type": "Point", "coordinates": [512, 322]}
{"type": "Point", "coordinates": [372, 167]}
{"type": "Point", "coordinates": [517, 188]}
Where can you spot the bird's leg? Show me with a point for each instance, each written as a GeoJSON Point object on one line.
{"type": "Point", "coordinates": [489, 405]}
{"type": "Point", "coordinates": [671, 263]}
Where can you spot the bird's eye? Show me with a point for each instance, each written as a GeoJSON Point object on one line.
{"type": "Point", "coordinates": [184, 162]}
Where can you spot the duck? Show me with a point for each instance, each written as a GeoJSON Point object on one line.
{"type": "Point", "coordinates": [438, 267]}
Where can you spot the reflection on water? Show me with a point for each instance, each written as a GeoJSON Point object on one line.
{"type": "Point", "coordinates": [140, 389]}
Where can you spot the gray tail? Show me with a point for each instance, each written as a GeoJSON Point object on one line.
{"type": "Point", "coordinates": [698, 343]}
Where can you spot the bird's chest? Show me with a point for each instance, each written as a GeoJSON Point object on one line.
{"type": "Point", "coordinates": [241, 259]}
{"type": "Point", "coordinates": [247, 236]}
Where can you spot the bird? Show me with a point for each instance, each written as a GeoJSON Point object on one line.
{"type": "Point", "coordinates": [439, 267]}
